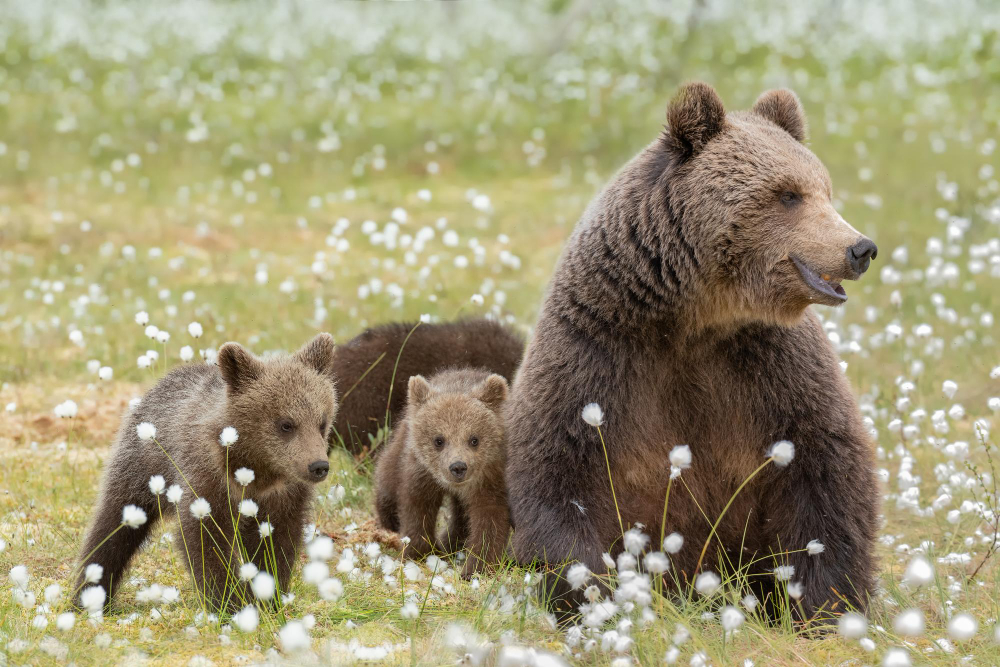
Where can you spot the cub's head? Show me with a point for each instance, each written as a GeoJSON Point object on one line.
{"type": "Point", "coordinates": [758, 205]}
{"type": "Point", "coordinates": [283, 409]}
{"type": "Point", "coordinates": [458, 435]}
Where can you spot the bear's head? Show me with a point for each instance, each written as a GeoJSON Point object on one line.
{"type": "Point", "coordinates": [758, 206]}
{"type": "Point", "coordinates": [457, 436]}
{"type": "Point", "coordinates": [283, 409]}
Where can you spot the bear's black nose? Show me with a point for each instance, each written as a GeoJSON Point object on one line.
{"type": "Point", "coordinates": [458, 469]}
{"type": "Point", "coordinates": [319, 469]}
{"type": "Point", "coordinates": [860, 255]}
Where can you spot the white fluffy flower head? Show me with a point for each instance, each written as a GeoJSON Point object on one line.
{"type": "Point", "coordinates": [593, 415]}
{"type": "Point", "coordinates": [782, 452]}
{"type": "Point", "coordinates": [133, 516]}
{"type": "Point", "coordinates": [200, 508]}
{"type": "Point", "coordinates": [228, 436]}
{"type": "Point", "coordinates": [145, 431]}
{"type": "Point", "coordinates": [244, 476]}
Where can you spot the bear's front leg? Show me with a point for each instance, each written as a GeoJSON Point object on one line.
{"type": "Point", "coordinates": [454, 537]}
{"type": "Point", "coordinates": [489, 526]}
{"type": "Point", "coordinates": [418, 511]}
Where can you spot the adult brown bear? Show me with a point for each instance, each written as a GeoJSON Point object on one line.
{"type": "Point", "coordinates": [681, 306]}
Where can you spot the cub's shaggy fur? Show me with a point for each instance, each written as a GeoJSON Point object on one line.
{"type": "Point", "coordinates": [282, 409]}
{"type": "Point", "coordinates": [450, 442]}
{"type": "Point", "coordinates": [681, 306]}
{"type": "Point", "coordinates": [477, 343]}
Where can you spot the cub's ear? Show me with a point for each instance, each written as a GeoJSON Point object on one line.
{"type": "Point", "coordinates": [494, 392]}
{"type": "Point", "coordinates": [419, 390]}
{"type": "Point", "coordinates": [694, 116]}
{"type": "Point", "coordinates": [240, 368]}
{"type": "Point", "coordinates": [782, 107]}
{"type": "Point", "coordinates": [318, 354]}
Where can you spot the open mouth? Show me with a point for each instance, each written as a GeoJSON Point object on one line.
{"type": "Point", "coordinates": [822, 283]}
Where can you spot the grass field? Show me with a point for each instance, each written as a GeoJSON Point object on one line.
{"type": "Point", "coordinates": [270, 171]}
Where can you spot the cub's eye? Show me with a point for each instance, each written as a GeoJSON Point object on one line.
{"type": "Point", "coordinates": [286, 426]}
{"type": "Point", "coordinates": [439, 442]}
{"type": "Point", "coordinates": [790, 198]}
{"type": "Point", "coordinates": [322, 427]}
{"type": "Point", "coordinates": [473, 441]}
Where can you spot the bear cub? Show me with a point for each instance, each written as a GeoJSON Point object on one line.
{"type": "Point", "coordinates": [257, 480]}
{"type": "Point", "coordinates": [450, 443]}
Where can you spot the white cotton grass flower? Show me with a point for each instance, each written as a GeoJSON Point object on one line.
{"type": "Point", "coordinates": [749, 602]}
{"type": "Point", "coordinates": [294, 637]}
{"type": "Point", "coordinates": [228, 436]}
{"type": "Point", "coordinates": [133, 516]}
{"type": "Point", "coordinates": [635, 541]}
{"type": "Point", "coordinates": [157, 485]}
{"type": "Point", "coordinates": [409, 610]}
{"type": "Point", "coordinates": [142, 318]}
{"type": "Point", "coordinates": [262, 586]}
{"type": "Point", "coordinates": [331, 589]}
{"type": "Point", "coordinates": [707, 583]}
{"type": "Point", "coordinates": [962, 627]}
{"type": "Point", "coordinates": [143, 361]}
{"type": "Point", "coordinates": [186, 353]}
{"type": "Point", "coordinates": [151, 331]}
{"type": "Point", "coordinates": [680, 457]}
{"type": "Point", "coordinates": [731, 618]}
{"type": "Point", "coordinates": [66, 410]}
{"type": "Point", "coordinates": [320, 548]}
{"type": "Point", "coordinates": [796, 590]}
{"type": "Point", "coordinates": [593, 415]}
{"type": "Point", "coordinates": [784, 572]}
{"type": "Point", "coordinates": [265, 529]}
{"type": "Point", "coordinates": [174, 493]}
{"type": "Point", "coordinates": [578, 575]}
{"type": "Point", "coordinates": [244, 476]}
{"type": "Point", "coordinates": [673, 543]}
{"type": "Point", "coordinates": [852, 625]}
{"type": "Point", "coordinates": [106, 373]}
{"type": "Point", "coordinates": [477, 300]}
{"type": "Point", "coordinates": [195, 330]}
{"type": "Point", "coordinates": [782, 452]}
{"type": "Point", "coordinates": [909, 623]}
{"type": "Point", "coordinates": [65, 621]}
{"type": "Point", "coordinates": [18, 576]}
{"type": "Point", "coordinates": [248, 571]}
{"type": "Point", "coordinates": [93, 573]}
{"type": "Point", "coordinates": [145, 431]}
{"type": "Point", "coordinates": [609, 562]}
{"type": "Point", "coordinates": [919, 572]}
{"type": "Point", "coordinates": [200, 508]}
{"type": "Point", "coordinates": [948, 388]}
{"type": "Point", "coordinates": [247, 619]}
{"type": "Point", "coordinates": [896, 657]}
{"type": "Point", "coordinates": [162, 337]}
{"type": "Point", "coordinates": [656, 562]}
{"type": "Point", "coordinates": [815, 548]}
{"type": "Point", "coordinates": [53, 594]}
{"type": "Point", "coordinates": [315, 572]}
{"type": "Point", "coordinates": [92, 599]}
{"type": "Point", "coordinates": [248, 507]}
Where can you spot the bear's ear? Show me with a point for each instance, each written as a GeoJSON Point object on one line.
{"type": "Point", "coordinates": [782, 107]}
{"type": "Point", "coordinates": [419, 390]}
{"type": "Point", "coordinates": [318, 354]}
{"type": "Point", "coordinates": [240, 368]}
{"type": "Point", "coordinates": [494, 392]}
{"type": "Point", "coordinates": [694, 116]}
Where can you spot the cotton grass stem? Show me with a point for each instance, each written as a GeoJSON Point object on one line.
{"type": "Point", "coordinates": [614, 497]}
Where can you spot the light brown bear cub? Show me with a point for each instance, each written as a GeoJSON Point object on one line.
{"type": "Point", "coordinates": [282, 409]}
{"type": "Point", "coordinates": [450, 442]}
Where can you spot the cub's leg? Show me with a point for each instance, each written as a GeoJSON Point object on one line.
{"type": "Point", "coordinates": [455, 534]}
{"type": "Point", "coordinates": [489, 526]}
{"type": "Point", "coordinates": [418, 509]}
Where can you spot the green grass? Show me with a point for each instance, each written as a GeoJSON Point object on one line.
{"type": "Point", "coordinates": [905, 120]}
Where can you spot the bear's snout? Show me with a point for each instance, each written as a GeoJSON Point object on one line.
{"type": "Point", "coordinates": [458, 469]}
{"type": "Point", "coordinates": [860, 255]}
{"type": "Point", "coordinates": [318, 470]}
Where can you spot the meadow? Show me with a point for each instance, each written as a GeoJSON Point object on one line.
{"type": "Point", "coordinates": [271, 170]}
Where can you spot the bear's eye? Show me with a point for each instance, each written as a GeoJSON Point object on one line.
{"type": "Point", "coordinates": [790, 198]}
{"type": "Point", "coordinates": [286, 426]}
{"type": "Point", "coordinates": [473, 441]}
{"type": "Point", "coordinates": [439, 442]}
{"type": "Point", "coordinates": [322, 427]}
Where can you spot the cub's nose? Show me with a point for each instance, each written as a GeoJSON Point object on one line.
{"type": "Point", "coordinates": [319, 469]}
{"type": "Point", "coordinates": [458, 469]}
{"type": "Point", "coordinates": [860, 255]}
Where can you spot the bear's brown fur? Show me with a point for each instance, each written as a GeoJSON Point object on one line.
{"type": "Point", "coordinates": [680, 305]}
{"type": "Point", "coordinates": [282, 409]}
{"type": "Point", "coordinates": [365, 389]}
{"type": "Point", "coordinates": [450, 442]}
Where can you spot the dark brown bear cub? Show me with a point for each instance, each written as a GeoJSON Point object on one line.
{"type": "Point", "coordinates": [450, 442]}
{"type": "Point", "coordinates": [247, 429]}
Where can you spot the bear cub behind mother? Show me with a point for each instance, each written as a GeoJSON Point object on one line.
{"type": "Point", "coordinates": [681, 306]}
